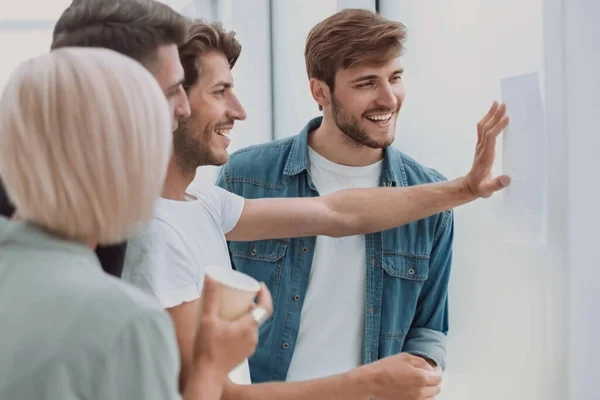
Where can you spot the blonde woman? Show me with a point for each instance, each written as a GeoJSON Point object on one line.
{"type": "Point", "coordinates": [85, 141]}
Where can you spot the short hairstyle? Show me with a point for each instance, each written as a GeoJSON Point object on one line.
{"type": "Point", "coordinates": [135, 28]}
{"type": "Point", "coordinates": [204, 37]}
{"type": "Point", "coordinates": [85, 143]}
{"type": "Point", "coordinates": [348, 38]}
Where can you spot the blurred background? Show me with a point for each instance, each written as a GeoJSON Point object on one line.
{"type": "Point", "coordinates": [525, 320]}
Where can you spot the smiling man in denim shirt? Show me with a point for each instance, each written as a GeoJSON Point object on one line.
{"type": "Point", "coordinates": [344, 302]}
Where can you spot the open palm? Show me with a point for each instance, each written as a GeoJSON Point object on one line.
{"type": "Point", "coordinates": [480, 180]}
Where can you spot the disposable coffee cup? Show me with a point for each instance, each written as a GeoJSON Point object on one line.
{"type": "Point", "coordinates": [237, 291]}
{"type": "Point", "coordinates": [236, 295]}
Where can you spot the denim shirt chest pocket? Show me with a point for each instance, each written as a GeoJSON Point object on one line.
{"type": "Point", "coordinates": [403, 278]}
{"type": "Point", "coordinates": [263, 260]}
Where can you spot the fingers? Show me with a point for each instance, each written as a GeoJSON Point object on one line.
{"type": "Point", "coordinates": [498, 127]}
{"type": "Point", "coordinates": [491, 131]}
{"type": "Point", "coordinates": [491, 125]}
{"type": "Point", "coordinates": [260, 315]}
{"type": "Point", "coordinates": [264, 300]}
{"type": "Point", "coordinates": [433, 378]}
{"type": "Point", "coordinates": [420, 363]}
{"type": "Point", "coordinates": [245, 328]}
{"type": "Point", "coordinates": [430, 392]}
{"type": "Point", "coordinates": [484, 121]}
{"type": "Point", "coordinates": [245, 325]}
{"type": "Point", "coordinates": [210, 298]}
{"type": "Point", "coordinates": [494, 121]}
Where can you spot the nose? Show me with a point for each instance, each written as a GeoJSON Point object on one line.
{"type": "Point", "coordinates": [387, 97]}
{"type": "Point", "coordinates": [236, 110]}
{"type": "Point", "coordinates": [182, 111]}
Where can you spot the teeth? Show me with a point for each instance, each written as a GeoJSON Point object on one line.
{"type": "Point", "coordinates": [223, 132]}
{"type": "Point", "coordinates": [383, 117]}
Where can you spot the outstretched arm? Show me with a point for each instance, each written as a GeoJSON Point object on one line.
{"type": "Point", "coordinates": [358, 211]}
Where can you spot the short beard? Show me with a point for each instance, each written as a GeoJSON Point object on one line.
{"type": "Point", "coordinates": [188, 152]}
{"type": "Point", "coordinates": [351, 127]}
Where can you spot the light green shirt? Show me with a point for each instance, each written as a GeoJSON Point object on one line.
{"type": "Point", "coordinates": [70, 331]}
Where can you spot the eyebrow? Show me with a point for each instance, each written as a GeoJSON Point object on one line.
{"type": "Point", "coordinates": [224, 84]}
{"type": "Point", "coordinates": [369, 77]}
{"type": "Point", "coordinates": [174, 86]}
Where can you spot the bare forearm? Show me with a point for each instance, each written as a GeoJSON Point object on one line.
{"type": "Point", "coordinates": [203, 386]}
{"type": "Point", "coordinates": [347, 212]}
{"type": "Point", "coordinates": [373, 210]}
{"type": "Point", "coordinates": [348, 386]}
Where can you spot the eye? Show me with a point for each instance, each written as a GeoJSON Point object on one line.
{"type": "Point", "coordinates": [174, 92]}
{"type": "Point", "coordinates": [366, 84]}
{"type": "Point", "coordinates": [396, 78]}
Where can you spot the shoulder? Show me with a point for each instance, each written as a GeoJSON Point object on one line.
{"type": "Point", "coordinates": [122, 304]}
{"type": "Point", "coordinates": [121, 323]}
{"type": "Point", "coordinates": [160, 261]}
{"type": "Point", "coordinates": [107, 306]}
{"type": "Point", "coordinates": [416, 173]}
{"type": "Point", "coordinates": [151, 251]}
{"type": "Point", "coordinates": [212, 196]}
{"type": "Point", "coordinates": [260, 156]}
{"type": "Point", "coordinates": [160, 233]}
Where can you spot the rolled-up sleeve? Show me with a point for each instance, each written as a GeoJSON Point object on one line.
{"type": "Point", "coordinates": [427, 335]}
{"type": "Point", "coordinates": [143, 361]}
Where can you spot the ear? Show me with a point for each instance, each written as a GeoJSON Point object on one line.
{"type": "Point", "coordinates": [320, 92]}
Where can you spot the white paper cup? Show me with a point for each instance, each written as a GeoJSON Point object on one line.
{"type": "Point", "coordinates": [237, 293]}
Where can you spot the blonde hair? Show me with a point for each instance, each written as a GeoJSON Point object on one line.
{"type": "Point", "coordinates": [85, 141]}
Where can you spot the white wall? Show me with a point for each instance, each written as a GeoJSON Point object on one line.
{"type": "Point", "coordinates": [292, 21]}
{"type": "Point", "coordinates": [582, 121]}
{"type": "Point", "coordinates": [508, 315]}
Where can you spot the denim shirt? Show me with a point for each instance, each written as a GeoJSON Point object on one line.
{"type": "Point", "coordinates": [407, 269]}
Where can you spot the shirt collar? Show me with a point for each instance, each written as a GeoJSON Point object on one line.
{"type": "Point", "coordinates": [392, 173]}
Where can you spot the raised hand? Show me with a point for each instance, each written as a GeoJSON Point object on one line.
{"type": "Point", "coordinates": [479, 180]}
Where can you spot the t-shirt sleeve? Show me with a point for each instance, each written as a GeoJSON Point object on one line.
{"type": "Point", "coordinates": [159, 263]}
{"type": "Point", "coordinates": [143, 361]}
{"type": "Point", "coordinates": [231, 206]}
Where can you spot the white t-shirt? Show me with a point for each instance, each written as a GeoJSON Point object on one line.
{"type": "Point", "coordinates": [330, 339]}
{"type": "Point", "coordinates": [183, 238]}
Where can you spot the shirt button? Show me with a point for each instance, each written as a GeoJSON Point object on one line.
{"type": "Point", "coordinates": [296, 298]}
{"type": "Point", "coordinates": [286, 346]}
{"type": "Point", "coordinates": [411, 271]}
{"type": "Point", "coordinates": [304, 250]}
{"type": "Point", "coordinates": [253, 252]}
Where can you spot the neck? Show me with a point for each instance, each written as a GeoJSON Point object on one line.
{"type": "Point", "coordinates": [333, 144]}
{"type": "Point", "coordinates": [177, 182]}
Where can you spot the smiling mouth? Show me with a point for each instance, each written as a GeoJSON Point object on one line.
{"type": "Point", "coordinates": [380, 118]}
{"type": "Point", "coordinates": [223, 132]}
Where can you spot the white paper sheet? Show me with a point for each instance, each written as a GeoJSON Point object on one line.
{"type": "Point", "coordinates": [524, 159]}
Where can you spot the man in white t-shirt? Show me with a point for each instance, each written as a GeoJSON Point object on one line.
{"type": "Point", "coordinates": [190, 230]}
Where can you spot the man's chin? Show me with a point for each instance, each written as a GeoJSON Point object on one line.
{"type": "Point", "coordinates": [219, 158]}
